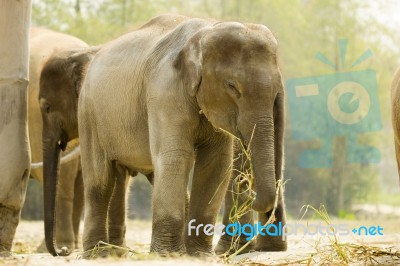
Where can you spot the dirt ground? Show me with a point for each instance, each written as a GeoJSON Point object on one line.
{"type": "Point", "coordinates": [303, 250]}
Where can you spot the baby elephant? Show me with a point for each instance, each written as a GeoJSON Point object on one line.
{"type": "Point", "coordinates": [45, 45]}
{"type": "Point", "coordinates": [60, 81]}
{"type": "Point", "coordinates": [168, 97]}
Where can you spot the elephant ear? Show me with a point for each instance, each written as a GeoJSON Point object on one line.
{"type": "Point", "coordinates": [189, 63]}
{"type": "Point", "coordinates": [77, 64]}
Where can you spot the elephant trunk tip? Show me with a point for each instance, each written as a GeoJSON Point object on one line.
{"type": "Point", "coordinates": [64, 251]}
{"type": "Point", "coordinates": [53, 250]}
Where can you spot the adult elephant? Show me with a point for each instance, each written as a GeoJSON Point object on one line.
{"type": "Point", "coordinates": [44, 46]}
{"type": "Point", "coordinates": [169, 97]}
{"type": "Point", "coordinates": [396, 115]}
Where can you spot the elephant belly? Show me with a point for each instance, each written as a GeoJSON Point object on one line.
{"type": "Point", "coordinates": [136, 162]}
{"type": "Point", "coordinates": [130, 148]}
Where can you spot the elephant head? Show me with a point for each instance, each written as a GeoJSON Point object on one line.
{"type": "Point", "coordinates": [232, 71]}
{"type": "Point", "coordinates": [60, 83]}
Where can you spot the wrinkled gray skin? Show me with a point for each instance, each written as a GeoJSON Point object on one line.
{"type": "Point", "coordinates": [60, 82]}
{"type": "Point", "coordinates": [396, 115]}
{"type": "Point", "coordinates": [161, 99]}
{"type": "Point", "coordinates": [45, 45]}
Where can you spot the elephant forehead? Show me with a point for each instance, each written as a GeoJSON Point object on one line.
{"type": "Point", "coordinates": [243, 68]}
{"type": "Point", "coordinates": [239, 54]}
{"type": "Point", "coordinates": [235, 37]}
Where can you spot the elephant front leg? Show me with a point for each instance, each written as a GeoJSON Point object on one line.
{"type": "Point", "coordinates": [272, 240]}
{"type": "Point", "coordinates": [236, 197]}
{"type": "Point", "coordinates": [210, 180]}
{"type": "Point", "coordinates": [9, 219]}
{"type": "Point", "coordinates": [171, 173]}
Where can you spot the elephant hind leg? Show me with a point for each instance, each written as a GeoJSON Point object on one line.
{"type": "Point", "coordinates": [98, 192]}
{"type": "Point", "coordinates": [99, 181]}
{"type": "Point", "coordinates": [78, 206]}
{"type": "Point", "coordinates": [117, 211]}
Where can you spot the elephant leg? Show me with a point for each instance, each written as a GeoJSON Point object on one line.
{"type": "Point", "coordinates": [236, 196]}
{"type": "Point", "coordinates": [65, 203]}
{"type": "Point", "coordinates": [276, 243]}
{"type": "Point", "coordinates": [78, 206]}
{"type": "Point", "coordinates": [270, 242]}
{"type": "Point", "coordinates": [117, 211]}
{"type": "Point", "coordinates": [171, 173]}
{"type": "Point", "coordinates": [150, 178]}
{"type": "Point", "coordinates": [210, 180]}
{"type": "Point", "coordinates": [99, 184]}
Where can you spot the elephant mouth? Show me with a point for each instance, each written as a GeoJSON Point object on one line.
{"type": "Point", "coordinates": [63, 141]}
{"type": "Point", "coordinates": [242, 139]}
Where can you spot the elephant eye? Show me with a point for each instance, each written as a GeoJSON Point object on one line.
{"type": "Point", "coordinates": [46, 108]}
{"type": "Point", "coordinates": [231, 85]}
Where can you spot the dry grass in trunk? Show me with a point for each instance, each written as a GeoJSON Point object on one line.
{"type": "Point", "coordinates": [242, 189]}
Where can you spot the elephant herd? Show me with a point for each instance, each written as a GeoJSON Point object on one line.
{"type": "Point", "coordinates": [174, 96]}
{"type": "Point", "coordinates": [177, 95]}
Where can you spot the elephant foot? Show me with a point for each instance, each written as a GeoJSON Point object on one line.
{"type": "Point", "coordinates": [199, 251]}
{"type": "Point", "coordinates": [117, 235]}
{"type": "Point", "coordinates": [104, 251]}
{"type": "Point", "coordinates": [201, 254]}
{"type": "Point", "coordinates": [95, 253]}
{"type": "Point", "coordinates": [9, 220]}
{"type": "Point", "coordinates": [270, 244]}
{"type": "Point", "coordinates": [5, 253]}
{"type": "Point", "coordinates": [164, 251]}
{"type": "Point", "coordinates": [167, 242]}
{"type": "Point", "coordinates": [229, 245]}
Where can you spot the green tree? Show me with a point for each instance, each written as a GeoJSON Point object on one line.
{"type": "Point", "coordinates": [303, 28]}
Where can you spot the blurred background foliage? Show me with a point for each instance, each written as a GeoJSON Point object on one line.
{"type": "Point", "coordinates": [303, 28]}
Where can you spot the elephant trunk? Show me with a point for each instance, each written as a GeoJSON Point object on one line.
{"type": "Point", "coordinates": [51, 160]}
{"type": "Point", "coordinates": [263, 161]}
